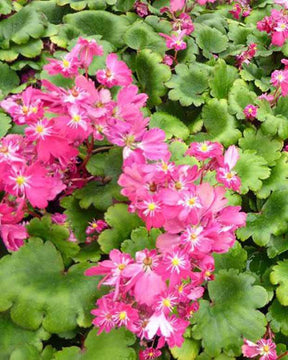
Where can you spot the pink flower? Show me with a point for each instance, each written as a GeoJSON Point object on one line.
{"type": "Point", "coordinates": [144, 282]}
{"type": "Point", "coordinates": [280, 78]}
{"type": "Point", "coordinates": [168, 60]}
{"type": "Point", "coordinates": [32, 182]}
{"type": "Point", "coordinates": [67, 66]}
{"type": "Point", "coordinates": [264, 347]}
{"type": "Point", "coordinates": [149, 354]}
{"type": "Point", "coordinates": [141, 8]}
{"type": "Point", "coordinates": [116, 74]}
{"type": "Point", "coordinates": [250, 112]}
{"type": "Point", "coordinates": [175, 41]}
{"type": "Point", "coordinates": [125, 315]}
{"type": "Point", "coordinates": [225, 175]}
{"type": "Point", "coordinates": [104, 314]}
{"type": "Point", "coordinates": [85, 50]}
{"type": "Point", "coordinates": [176, 5]}
{"type": "Point", "coordinates": [184, 23]}
{"type": "Point", "coordinates": [13, 236]}
{"type": "Point", "coordinates": [96, 226]}
{"type": "Point", "coordinates": [205, 150]}
{"type": "Point", "coordinates": [112, 269]}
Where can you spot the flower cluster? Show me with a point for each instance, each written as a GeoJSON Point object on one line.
{"type": "Point", "coordinates": [241, 8]}
{"type": "Point", "coordinates": [276, 25]}
{"type": "Point", "coordinates": [246, 56]}
{"type": "Point", "coordinates": [155, 294]}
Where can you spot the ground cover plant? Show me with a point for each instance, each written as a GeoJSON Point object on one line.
{"type": "Point", "coordinates": [144, 179]}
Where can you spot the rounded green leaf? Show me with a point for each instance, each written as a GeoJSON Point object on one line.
{"type": "Point", "coordinates": [140, 239]}
{"type": "Point", "coordinates": [42, 292]}
{"type": "Point", "coordinates": [279, 276]}
{"type": "Point", "coordinates": [278, 317]}
{"type": "Point", "coordinates": [210, 40]}
{"type": "Point", "coordinates": [114, 345]}
{"type": "Point", "coordinates": [152, 75]}
{"type": "Point", "coordinates": [188, 350]}
{"type": "Point", "coordinates": [170, 124]}
{"type": "Point", "coordinates": [188, 84]}
{"type": "Point", "coordinates": [232, 314]}
{"type": "Point", "coordinates": [239, 97]}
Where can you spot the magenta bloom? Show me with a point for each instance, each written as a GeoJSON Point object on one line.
{"type": "Point", "coordinates": [176, 5]}
{"type": "Point", "coordinates": [85, 50]}
{"type": "Point", "coordinates": [280, 78]}
{"type": "Point", "coordinates": [225, 174]}
{"type": "Point", "coordinates": [149, 354]}
{"type": "Point", "coordinates": [250, 112]}
{"type": "Point", "coordinates": [264, 347]}
{"type": "Point", "coordinates": [175, 41]}
{"type": "Point", "coordinates": [205, 150]}
{"type": "Point", "coordinates": [13, 236]}
{"type": "Point", "coordinates": [96, 226]}
{"type": "Point", "coordinates": [104, 314]}
{"type": "Point", "coordinates": [117, 73]}
{"type": "Point", "coordinates": [67, 66]}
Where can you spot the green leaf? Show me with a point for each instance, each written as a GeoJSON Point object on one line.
{"type": "Point", "coordinates": [210, 40]}
{"type": "Point", "coordinates": [107, 164]}
{"type": "Point", "coordinates": [278, 317]}
{"type": "Point", "coordinates": [57, 234]}
{"type": "Point", "coordinates": [223, 78]}
{"type": "Point", "coordinates": [52, 11]}
{"type": "Point", "coordinates": [220, 125]}
{"type": "Point", "coordinates": [5, 7]}
{"type": "Point", "coordinates": [99, 195]}
{"type": "Point", "coordinates": [122, 223]}
{"type": "Point", "coordinates": [188, 350]}
{"type": "Point", "coordinates": [170, 124]}
{"type": "Point", "coordinates": [141, 36]}
{"type": "Point", "coordinates": [110, 26]}
{"type": "Point", "coordinates": [8, 80]}
{"type": "Point", "coordinates": [235, 258]}
{"type": "Point", "coordinates": [178, 150]}
{"type": "Point", "coordinates": [278, 179]}
{"type": "Point", "coordinates": [30, 49]}
{"type": "Point", "coordinates": [152, 75]}
{"type": "Point", "coordinates": [263, 144]}
{"type": "Point", "coordinates": [251, 169]}
{"type": "Point", "coordinates": [5, 124]}
{"type": "Point", "coordinates": [22, 26]}
{"type": "Point", "coordinates": [239, 97]}
{"type": "Point", "coordinates": [78, 217]}
{"type": "Point", "coordinates": [279, 276]}
{"type": "Point", "coordinates": [124, 5]}
{"type": "Point", "coordinates": [43, 292]}
{"type": "Point", "coordinates": [188, 84]}
{"type": "Point", "coordinates": [277, 245]}
{"type": "Point", "coordinates": [140, 239]}
{"type": "Point", "coordinates": [232, 314]}
{"type": "Point", "coordinates": [270, 220]}
{"type": "Point", "coordinates": [65, 34]}
{"type": "Point", "coordinates": [115, 345]}
{"type": "Point", "coordinates": [13, 338]}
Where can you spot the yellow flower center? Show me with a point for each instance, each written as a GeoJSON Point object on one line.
{"type": "Point", "coordinates": [192, 201]}
{"type": "Point", "coordinates": [266, 348]}
{"type": "Point", "coordinates": [178, 185]}
{"type": "Point", "coordinates": [25, 109]}
{"type": "Point", "coordinates": [66, 63]}
{"type": "Point", "coordinates": [166, 302]}
{"type": "Point", "coordinates": [151, 206]}
{"type": "Point", "coordinates": [4, 150]}
{"type": "Point", "coordinates": [20, 180]}
{"type": "Point", "coordinates": [94, 226]}
{"type": "Point", "coordinates": [34, 109]}
{"type": "Point", "coordinates": [193, 237]}
{"type": "Point", "coordinates": [122, 315]}
{"type": "Point", "coordinates": [39, 129]}
{"type": "Point", "coordinates": [76, 118]}
{"type": "Point", "coordinates": [121, 266]}
{"type": "Point", "coordinates": [175, 261]}
{"type": "Point", "coordinates": [204, 147]}
{"type": "Point", "coordinates": [229, 175]}
{"type": "Point", "coordinates": [164, 166]}
{"type": "Point", "coordinates": [207, 273]}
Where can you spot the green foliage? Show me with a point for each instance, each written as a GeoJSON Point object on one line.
{"type": "Point", "coordinates": [57, 234]}
{"type": "Point", "coordinates": [270, 220]}
{"type": "Point", "coordinates": [14, 339]}
{"type": "Point", "coordinates": [232, 314]}
{"type": "Point", "coordinates": [279, 276]}
{"type": "Point", "coordinates": [78, 217]}
{"type": "Point", "coordinates": [111, 27]}
{"type": "Point", "coordinates": [43, 293]}
{"type": "Point", "coordinates": [9, 80]}
{"type": "Point", "coordinates": [278, 179]}
{"type": "Point", "coordinates": [251, 169]}
{"type": "Point", "coordinates": [278, 317]}
{"type": "Point", "coordinates": [152, 75]}
{"type": "Point", "coordinates": [22, 26]}
{"type": "Point", "coordinates": [170, 124]}
{"type": "Point", "coordinates": [188, 85]}
{"type": "Point", "coordinates": [115, 345]}
{"type": "Point", "coordinates": [220, 125]}
{"type": "Point", "coordinates": [5, 124]}
{"type": "Point", "coordinates": [140, 239]}
{"type": "Point", "coordinates": [210, 40]}
{"type": "Point", "coordinates": [122, 223]}
{"type": "Point", "coordinates": [239, 97]}
{"type": "Point", "coordinates": [235, 258]}
{"type": "Point", "coordinates": [188, 351]}
{"type": "Point", "coordinates": [264, 145]}
{"type": "Point", "coordinates": [223, 78]}
{"type": "Point", "coordinates": [141, 36]}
